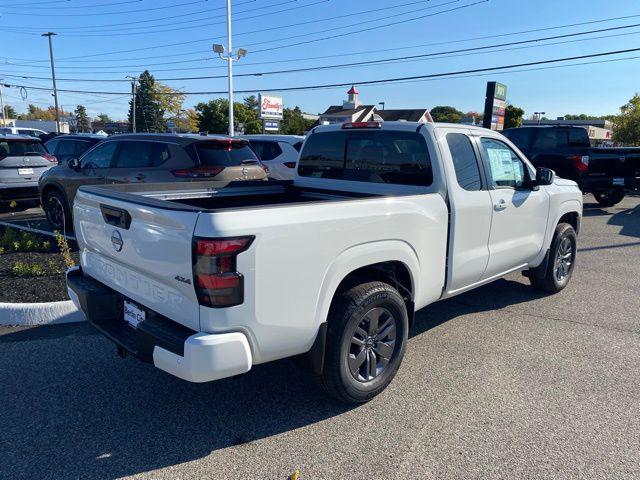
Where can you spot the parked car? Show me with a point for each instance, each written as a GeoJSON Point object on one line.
{"type": "Point", "coordinates": [22, 161]}
{"type": "Point", "coordinates": [606, 172]}
{"type": "Point", "coordinates": [382, 219]}
{"type": "Point", "coordinates": [66, 147]}
{"type": "Point", "coordinates": [278, 152]}
{"type": "Point", "coordinates": [142, 158]}
{"type": "Point", "coordinates": [29, 132]}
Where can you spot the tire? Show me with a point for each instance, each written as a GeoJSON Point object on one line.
{"type": "Point", "coordinates": [609, 197]}
{"type": "Point", "coordinates": [366, 340]}
{"type": "Point", "coordinates": [57, 211]}
{"type": "Point", "coordinates": [554, 274]}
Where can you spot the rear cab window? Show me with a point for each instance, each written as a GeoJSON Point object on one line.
{"type": "Point", "coordinates": [374, 156]}
{"type": "Point", "coordinates": [554, 138]}
{"type": "Point", "coordinates": [225, 153]}
{"type": "Point", "coordinates": [521, 137]}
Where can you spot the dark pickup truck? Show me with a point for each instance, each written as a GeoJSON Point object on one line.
{"type": "Point", "coordinates": [608, 173]}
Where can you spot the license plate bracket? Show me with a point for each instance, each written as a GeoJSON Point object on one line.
{"type": "Point", "coordinates": [25, 171]}
{"type": "Point", "coordinates": [133, 314]}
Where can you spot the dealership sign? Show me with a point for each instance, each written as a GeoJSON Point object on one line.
{"type": "Point", "coordinates": [495, 105]}
{"type": "Point", "coordinates": [271, 107]}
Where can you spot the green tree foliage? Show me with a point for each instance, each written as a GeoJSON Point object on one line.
{"type": "Point", "coordinates": [293, 123]}
{"type": "Point", "coordinates": [104, 118]}
{"type": "Point", "coordinates": [251, 102]}
{"type": "Point", "coordinates": [82, 120]}
{"type": "Point", "coordinates": [626, 125]}
{"type": "Point", "coordinates": [37, 113]}
{"type": "Point", "coordinates": [213, 117]}
{"type": "Point", "coordinates": [513, 116]}
{"type": "Point", "coordinates": [446, 114]}
{"type": "Point", "coordinates": [149, 110]}
{"type": "Point", "coordinates": [11, 112]}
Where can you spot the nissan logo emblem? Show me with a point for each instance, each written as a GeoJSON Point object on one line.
{"type": "Point", "coordinates": [116, 240]}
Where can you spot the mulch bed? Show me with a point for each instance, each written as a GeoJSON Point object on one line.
{"type": "Point", "coordinates": [25, 288]}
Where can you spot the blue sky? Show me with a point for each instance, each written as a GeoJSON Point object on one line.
{"type": "Point", "coordinates": [90, 32]}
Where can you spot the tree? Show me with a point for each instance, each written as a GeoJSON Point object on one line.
{"type": "Point", "coordinates": [293, 123]}
{"type": "Point", "coordinates": [446, 114]}
{"type": "Point", "coordinates": [149, 112]}
{"type": "Point", "coordinates": [10, 111]}
{"type": "Point", "coordinates": [82, 120]}
{"type": "Point", "coordinates": [104, 118]}
{"type": "Point", "coordinates": [213, 117]}
{"type": "Point", "coordinates": [513, 116]}
{"type": "Point", "coordinates": [169, 99]}
{"type": "Point", "coordinates": [37, 113]}
{"type": "Point", "coordinates": [251, 102]}
{"type": "Point", "coordinates": [626, 125]}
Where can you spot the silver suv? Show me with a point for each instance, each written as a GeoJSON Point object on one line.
{"type": "Point", "coordinates": [22, 161]}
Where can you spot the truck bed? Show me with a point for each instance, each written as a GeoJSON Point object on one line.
{"type": "Point", "coordinates": [217, 196]}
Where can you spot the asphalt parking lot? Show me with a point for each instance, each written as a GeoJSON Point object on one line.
{"type": "Point", "coordinates": [502, 382]}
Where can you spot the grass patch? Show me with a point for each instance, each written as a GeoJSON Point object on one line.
{"type": "Point", "coordinates": [13, 241]}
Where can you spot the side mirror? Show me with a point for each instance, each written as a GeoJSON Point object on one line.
{"type": "Point", "coordinates": [73, 163]}
{"type": "Point", "coordinates": [545, 176]}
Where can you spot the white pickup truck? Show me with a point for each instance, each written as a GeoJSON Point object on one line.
{"type": "Point", "coordinates": [381, 220]}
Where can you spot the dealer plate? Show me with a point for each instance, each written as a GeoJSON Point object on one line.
{"type": "Point", "coordinates": [133, 314]}
{"type": "Point", "coordinates": [25, 171]}
{"type": "Point", "coordinates": [618, 181]}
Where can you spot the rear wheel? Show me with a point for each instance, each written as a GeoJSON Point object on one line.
{"type": "Point", "coordinates": [610, 196]}
{"type": "Point", "coordinates": [366, 340]}
{"type": "Point", "coordinates": [57, 211]}
{"type": "Point", "coordinates": [553, 275]}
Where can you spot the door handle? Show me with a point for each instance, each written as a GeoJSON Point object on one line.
{"type": "Point", "coordinates": [500, 205]}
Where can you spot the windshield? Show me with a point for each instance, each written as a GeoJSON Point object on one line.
{"type": "Point", "coordinates": [18, 148]}
{"type": "Point", "coordinates": [225, 154]}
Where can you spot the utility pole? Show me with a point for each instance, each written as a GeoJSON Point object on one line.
{"type": "Point", "coordinates": [133, 103]}
{"type": "Point", "coordinates": [4, 112]}
{"type": "Point", "coordinates": [53, 77]}
{"type": "Point", "coordinates": [230, 58]}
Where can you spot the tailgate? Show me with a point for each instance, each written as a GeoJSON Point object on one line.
{"type": "Point", "coordinates": [142, 252]}
{"type": "Point", "coordinates": [614, 162]}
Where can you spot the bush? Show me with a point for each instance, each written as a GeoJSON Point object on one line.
{"type": "Point", "coordinates": [12, 241]}
{"type": "Point", "coordinates": [22, 269]}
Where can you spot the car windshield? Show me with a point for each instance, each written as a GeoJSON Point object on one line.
{"type": "Point", "coordinates": [225, 153]}
{"type": "Point", "coordinates": [16, 148]}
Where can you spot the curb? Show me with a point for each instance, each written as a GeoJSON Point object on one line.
{"type": "Point", "coordinates": [39, 313]}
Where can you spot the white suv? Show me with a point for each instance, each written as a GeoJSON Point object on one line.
{"type": "Point", "coordinates": [29, 132]}
{"type": "Point", "coordinates": [278, 152]}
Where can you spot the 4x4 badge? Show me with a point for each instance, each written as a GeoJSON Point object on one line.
{"type": "Point", "coordinates": [182, 279]}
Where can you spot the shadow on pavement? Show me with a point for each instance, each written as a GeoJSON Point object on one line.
{"type": "Point", "coordinates": [71, 409]}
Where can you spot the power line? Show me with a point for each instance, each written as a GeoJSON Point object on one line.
{"type": "Point", "coordinates": [122, 12]}
{"type": "Point", "coordinates": [66, 7]}
{"type": "Point", "coordinates": [378, 81]}
{"type": "Point", "coordinates": [365, 62]}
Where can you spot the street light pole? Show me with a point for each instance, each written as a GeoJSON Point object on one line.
{"type": "Point", "coordinates": [53, 77]}
{"type": "Point", "coordinates": [230, 69]}
{"type": "Point", "coordinates": [229, 58]}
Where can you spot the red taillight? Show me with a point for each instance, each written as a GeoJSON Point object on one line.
{"type": "Point", "coordinates": [197, 172]}
{"type": "Point", "coordinates": [264, 168]}
{"type": "Point", "coordinates": [290, 164]}
{"type": "Point", "coordinates": [352, 125]}
{"type": "Point", "coordinates": [2, 157]}
{"type": "Point", "coordinates": [217, 282]}
{"type": "Point", "coordinates": [49, 157]}
{"type": "Point", "coordinates": [581, 162]}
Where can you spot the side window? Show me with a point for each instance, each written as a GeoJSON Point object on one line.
{"type": "Point", "coordinates": [66, 149]}
{"type": "Point", "coordinates": [81, 146]}
{"type": "Point", "coordinates": [266, 150]}
{"type": "Point", "coordinates": [297, 145]}
{"type": "Point", "coordinates": [142, 154]}
{"type": "Point", "coordinates": [505, 167]}
{"type": "Point", "coordinates": [464, 161]}
{"type": "Point", "coordinates": [100, 157]}
{"type": "Point", "coordinates": [51, 146]}
{"type": "Point", "coordinates": [519, 136]}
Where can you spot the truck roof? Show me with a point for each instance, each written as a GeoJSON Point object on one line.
{"type": "Point", "coordinates": [407, 126]}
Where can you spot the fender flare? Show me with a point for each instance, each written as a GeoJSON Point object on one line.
{"type": "Point", "coordinates": [359, 256]}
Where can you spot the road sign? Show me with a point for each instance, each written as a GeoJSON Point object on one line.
{"type": "Point", "coordinates": [271, 107]}
{"type": "Point", "coordinates": [271, 125]}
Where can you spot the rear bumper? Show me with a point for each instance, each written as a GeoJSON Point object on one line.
{"type": "Point", "coordinates": [180, 351]}
{"type": "Point", "coordinates": [8, 193]}
{"type": "Point", "coordinates": [603, 183]}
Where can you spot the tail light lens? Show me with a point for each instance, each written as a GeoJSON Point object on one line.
{"type": "Point", "coordinates": [264, 168]}
{"type": "Point", "coordinates": [49, 157]}
{"type": "Point", "coordinates": [581, 162]}
{"type": "Point", "coordinates": [217, 282]}
{"type": "Point", "coordinates": [197, 172]}
{"type": "Point", "coordinates": [290, 164]}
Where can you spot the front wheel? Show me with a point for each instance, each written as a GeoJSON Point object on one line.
{"type": "Point", "coordinates": [553, 275]}
{"type": "Point", "coordinates": [366, 340]}
{"type": "Point", "coordinates": [609, 197]}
